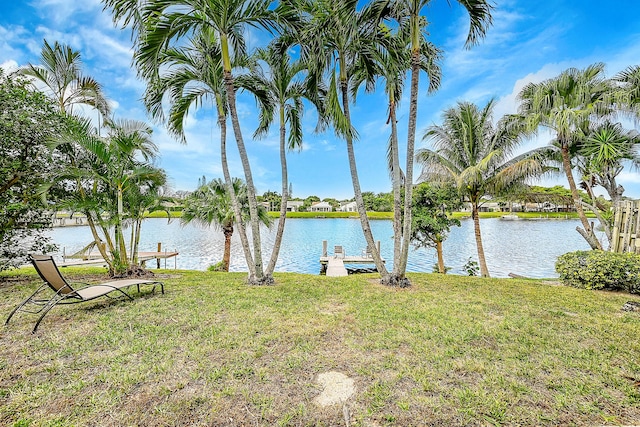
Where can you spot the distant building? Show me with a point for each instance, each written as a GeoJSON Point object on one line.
{"type": "Point", "coordinates": [349, 207]}
{"type": "Point", "coordinates": [321, 207]}
{"type": "Point", "coordinates": [294, 205]}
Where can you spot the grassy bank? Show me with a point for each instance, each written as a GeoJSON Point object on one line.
{"type": "Point", "coordinates": [449, 351]}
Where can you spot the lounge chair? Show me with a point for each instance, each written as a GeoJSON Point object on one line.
{"type": "Point", "coordinates": [64, 293]}
{"type": "Point", "coordinates": [338, 252]}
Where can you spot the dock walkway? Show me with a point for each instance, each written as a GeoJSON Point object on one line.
{"type": "Point", "coordinates": [335, 267]}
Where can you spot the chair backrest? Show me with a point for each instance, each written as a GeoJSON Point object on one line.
{"type": "Point", "coordinates": [48, 271]}
{"type": "Point", "coordinates": [338, 251]}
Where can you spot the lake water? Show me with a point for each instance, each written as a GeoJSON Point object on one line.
{"type": "Point", "coordinates": [525, 247]}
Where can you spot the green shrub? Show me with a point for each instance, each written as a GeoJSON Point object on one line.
{"type": "Point", "coordinates": [600, 270]}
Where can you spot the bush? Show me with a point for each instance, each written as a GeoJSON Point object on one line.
{"type": "Point", "coordinates": [600, 270]}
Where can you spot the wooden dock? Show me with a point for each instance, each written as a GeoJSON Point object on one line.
{"type": "Point", "coordinates": [95, 258]}
{"type": "Point", "coordinates": [334, 265]}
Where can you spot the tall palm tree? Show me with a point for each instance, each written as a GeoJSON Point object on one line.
{"type": "Point", "coordinates": [340, 41]}
{"type": "Point", "coordinates": [165, 22]}
{"type": "Point", "coordinates": [192, 76]}
{"type": "Point", "coordinates": [474, 155]}
{"type": "Point", "coordinates": [60, 71]}
{"type": "Point", "coordinates": [210, 205]}
{"type": "Point", "coordinates": [567, 105]}
{"type": "Point", "coordinates": [280, 90]}
{"type": "Point", "coordinates": [410, 11]}
{"type": "Point", "coordinates": [394, 61]}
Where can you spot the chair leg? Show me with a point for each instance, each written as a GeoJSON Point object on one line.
{"type": "Point", "coordinates": [52, 303]}
{"type": "Point", "coordinates": [22, 304]}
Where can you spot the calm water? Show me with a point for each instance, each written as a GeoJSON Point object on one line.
{"type": "Point", "coordinates": [525, 247]}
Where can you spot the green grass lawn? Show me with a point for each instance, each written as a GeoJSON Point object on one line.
{"type": "Point", "coordinates": [449, 351]}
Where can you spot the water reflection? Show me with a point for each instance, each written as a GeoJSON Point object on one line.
{"type": "Point", "coordinates": [526, 247]}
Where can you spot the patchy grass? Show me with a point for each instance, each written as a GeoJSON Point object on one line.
{"type": "Point", "coordinates": [449, 350]}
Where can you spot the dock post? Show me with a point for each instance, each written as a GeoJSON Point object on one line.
{"type": "Point", "coordinates": [378, 248]}
{"type": "Point", "coordinates": [324, 248]}
{"type": "Point", "coordinates": [158, 259]}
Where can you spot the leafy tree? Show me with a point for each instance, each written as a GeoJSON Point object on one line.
{"type": "Point", "coordinates": [431, 208]}
{"type": "Point", "coordinates": [27, 120]}
{"type": "Point", "coordinates": [475, 155]}
{"type": "Point", "coordinates": [211, 205]}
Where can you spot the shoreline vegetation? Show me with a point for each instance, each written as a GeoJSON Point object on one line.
{"type": "Point", "coordinates": [374, 215]}
{"type": "Point", "coordinates": [448, 351]}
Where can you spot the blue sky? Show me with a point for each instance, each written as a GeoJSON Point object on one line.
{"type": "Point", "coordinates": [529, 42]}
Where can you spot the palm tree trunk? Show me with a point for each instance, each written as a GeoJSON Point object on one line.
{"type": "Point", "coordinates": [226, 257]}
{"type": "Point", "coordinates": [136, 241]}
{"type": "Point", "coordinates": [364, 221]}
{"type": "Point", "coordinates": [222, 121]}
{"type": "Point", "coordinates": [397, 192]}
{"type": "Point", "coordinates": [441, 267]}
{"type": "Point", "coordinates": [285, 197]}
{"type": "Point", "coordinates": [577, 201]}
{"type": "Point", "coordinates": [122, 247]}
{"type": "Point", "coordinates": [101, 248]}
{"type": "Point", "coordinates": [251, 192]}
{"type": "Point", "coordinates": [484, 271]}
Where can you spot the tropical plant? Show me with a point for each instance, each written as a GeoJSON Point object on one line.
{"type": "Point", "coordinates": [628, 90]}
{"type": "Point", "coordinates": [190, 76]}
{"type": "Point", "coordinates": [475, 155]}
{"type": "Point", "coordinates": [210, 205]}
{"type": "Point", "coordinates": [105, 169]}
{"type": "Point", "coordinates": [431, 210]}
{"type": "Point", "coordinates": [61, 75]}
{"type": "Point", "coordinates": [280, 91]}
{"type": "Point", "coordinates": [339, 41]}
{"type": "Point", "coordinates": [393, 62]}
{"type": "Point", "coordinates": [607, 148]}
{"type": "Point", "coordinates": [569, 105]}
{"type": "Point", "coordinates": [162, 23]}
{"type": "Point", "coordinates": [409, 13]}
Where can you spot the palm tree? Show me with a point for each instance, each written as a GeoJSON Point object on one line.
{"type": "Point", "coordinates": [145, 196]}
{"type": "Point", "coordinates": [607, 147]}
{"type": "Point", "coordinates": [280, 91]}
{"type": "Point", "coordinates": [567, 105]}
{"type": "Point", "coordinates": [628, 93]}
{"type": "Point", "coordinates": [474, 155]}
{"type": "Point", "coordinates": [210, 204]}
{"type": "Point", "coordinates": [60, 71]}
{"type": "Point", "coordinates": [192, 76]}
{"type": "Point", "coordinates": [106, 169]}
{"type": "Point", "coordinates": [393, 62]}
{"type": "Point", "coordinates": [408, 12]}
{"type": "Point", "coordinates": [340, 41]}
{"type": "Point", "coordinates": [165, 22]}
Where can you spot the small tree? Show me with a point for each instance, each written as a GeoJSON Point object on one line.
{"type": "Point", "coordinates": [27, 118]}
{"type": "Point", "coordinates": [431, 222]}
{"type": "Point", "coordinates": [211, 205]}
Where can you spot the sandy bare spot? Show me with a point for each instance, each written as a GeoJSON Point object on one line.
{"type": "Point", "coordinates": [337, 388]}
